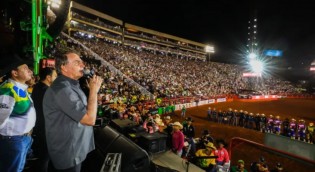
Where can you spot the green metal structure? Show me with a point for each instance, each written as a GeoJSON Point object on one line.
{"type": "Point", "coordinates": [39, 32]}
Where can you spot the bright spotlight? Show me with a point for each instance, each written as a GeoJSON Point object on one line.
{"type": "Point", "coordinates": [257, 66]}
{"type": "Point", "coordinates": [252, 56]}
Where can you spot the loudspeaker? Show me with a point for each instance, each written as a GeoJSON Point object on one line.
{"type": "Point", "coordinates": [133, 158]}
{"type": "Point", "coordinates": [153, 142]}
{"type": "Point", "coordinates": [123, 126]}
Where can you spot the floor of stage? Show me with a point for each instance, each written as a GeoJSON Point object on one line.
{"type": "Point", "coordinates": [169, 160]}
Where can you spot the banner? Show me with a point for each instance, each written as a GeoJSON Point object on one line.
{"type": "Point", "coordinates": [221, 100]}
{"type": "Point", "coordinates": [211, 101]}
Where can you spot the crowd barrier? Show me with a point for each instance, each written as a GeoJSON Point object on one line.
{"type": "Point", "coordinates": [200, 103]}
{"type": "Point", "coordinates": [190, 102]}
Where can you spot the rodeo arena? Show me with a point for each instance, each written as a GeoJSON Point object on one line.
{"type": "Point", "coordinates": [164, 106]}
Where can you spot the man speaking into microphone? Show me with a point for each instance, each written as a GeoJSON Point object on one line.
{"type": "Point", "coordinates": [69, 115]}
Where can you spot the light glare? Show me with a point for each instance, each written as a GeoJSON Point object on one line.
{"type": "Point", "coordinates": [257, 66]}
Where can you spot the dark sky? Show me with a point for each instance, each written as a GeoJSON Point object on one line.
{"type": "Point", "coordinates": [282, 24]}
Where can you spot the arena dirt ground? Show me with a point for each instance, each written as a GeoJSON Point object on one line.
{"type": "Point", "coordinates": [285, 108]}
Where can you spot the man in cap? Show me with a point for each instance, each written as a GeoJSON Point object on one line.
{"type": "Point", "coordinates": [261, 165]}
{"type": "Point", "coordinates": [177, 138]}
{"type": "Point", "coordinates": [222, 153]}
{"type": "Point", "coordinates": [17, 115]}
{"type": "Point", "coordinates": [208, 162]}
{"type": "Point", "coordinates": [239, 167]}
{"type": "Point", "coordinates": [278, 168]}
{"type": "Point", "coordinates": [168, 130]}
{"type": "Point", "coordinates": [189, 132]}
{"type": "Point", "coordinates": [209, 114]}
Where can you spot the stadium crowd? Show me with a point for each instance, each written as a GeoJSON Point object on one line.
{"type": "Point", "coordinates": [163, 76]}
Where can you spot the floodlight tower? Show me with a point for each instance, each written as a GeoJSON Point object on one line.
{"type": "Point", "coordinates": [209, 49]}
{"type": "Point", "coordinates": [252, 44]}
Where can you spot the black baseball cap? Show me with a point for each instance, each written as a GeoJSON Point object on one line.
{"type": "Point", "coordinates": [10, 62]}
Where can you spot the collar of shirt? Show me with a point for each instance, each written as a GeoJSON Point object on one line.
{"type": "Point", "coordinates": [72, 81]}
{"type": "Point", "coordinates": [20, 85]}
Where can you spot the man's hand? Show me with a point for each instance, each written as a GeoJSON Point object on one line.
{"type": "Point", "coordinates": [95, 83]}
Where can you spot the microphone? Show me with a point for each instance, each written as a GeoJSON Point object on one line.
{"type": "Point", "coordinates": [87, 73]}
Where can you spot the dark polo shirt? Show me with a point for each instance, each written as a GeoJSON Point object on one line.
{"type": "Point", "coordinates": [68, 141]}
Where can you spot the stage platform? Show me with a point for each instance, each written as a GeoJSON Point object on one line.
{"type": "Point", "coordinates": [171, 161]}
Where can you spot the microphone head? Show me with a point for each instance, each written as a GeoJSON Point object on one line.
{"type": "Point", "coordinates": [88, 73]}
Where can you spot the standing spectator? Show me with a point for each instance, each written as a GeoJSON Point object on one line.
{"type": "Point", "coordinates": [242, 118]}
{"type": "Point", "coordinates": [177, 139]}
{"type": "Point", "coordinates": [262, 123]}
{"type": "Point", "coordinates": [251, 121]}
{"type": "Point", "coordinates": [17, 116]}
{"type": "Point", "coordinates": [214, 114]}
{"type": "Point", "coordinates": [220, 116]}
{"type": "Point", "coordinates": [286, 127]}
{"type": "Point", "coordinates": [293, 128]}
{"type": "Point", "coordinates": [67, 110]}
{"type": "Point", "coordinates": [310, 132]}
{"type": "Point", "coordinates": [301, 130]}
{"type": "Point", "coordinates": [168, 130]}
{"type": "Point", "coordinates": [209, 114]}
{"type": "Point", "coordinates": [257, 121]}
{"type": "Point", "coordinates": [47, 76]}
{"type": "Point", "coordinates": [189, 132]}
{"type": "Point", "coordinates": [246, 120]}
{"type": "Point", "coordinates": [240, 167]}
{"type": "Point", "coordinates": [30, 84]}
{"type": "Point", "coordinates": [229, 115]}
{"type": "Point", "coordinates": [236, 118]}
{"type": "Point", "coordinates": [183, 114]}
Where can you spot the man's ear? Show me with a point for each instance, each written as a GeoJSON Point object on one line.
{"type": "Point", "coordinates": [48, 78]}
{"type": "Point", "coordinates": [14, 73]}
{"type": "Point", "coordinates": [63, 68]}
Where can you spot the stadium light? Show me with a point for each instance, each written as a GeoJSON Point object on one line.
{"type": "Point", "coordinates": [209, 49]}
{"type": "Point", "coordinates": [257, 66]}
{"type": "Point", "coordinates": [252, 56]}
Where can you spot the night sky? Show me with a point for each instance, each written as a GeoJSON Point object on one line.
{"type": "Point", "coordinates": [282, 24]}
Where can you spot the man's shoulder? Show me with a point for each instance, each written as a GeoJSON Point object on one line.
{"type": "Point", "coordinates": [7, 89]}
{"type": "Point", "coordinates": [40, 87]}
{"type": "Point", "coordinates": [60, 85]}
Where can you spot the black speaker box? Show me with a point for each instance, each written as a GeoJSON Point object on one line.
{"type": "Point", "coordinates": [134, 158]}
{"type": "Point", "coordinates": [153, 142]}
{"type": "Point", "coordinates": [123, 126]}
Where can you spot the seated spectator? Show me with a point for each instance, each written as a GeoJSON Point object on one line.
{"type": "Point", "coordinates": [259, 166]}
{"type": "Point", "coordinates": [221, 152]}
{"type": "Point", "coordinates": [278, 168]}
{"type": "Point", "coordinates": [207, 163]}
{"type": "Point", "coordinates": [239, 167]}
{"type": "Point", "coordinates": [205, 139]}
